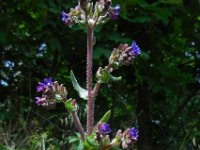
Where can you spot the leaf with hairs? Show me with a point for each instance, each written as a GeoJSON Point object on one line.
{"type": "Point", "coordinates": [83, 93]}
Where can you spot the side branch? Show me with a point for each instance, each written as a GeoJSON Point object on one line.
{"type": "Point", "coordinates": [78, 125]}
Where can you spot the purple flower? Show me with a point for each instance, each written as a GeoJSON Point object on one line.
{"type": "Point", "coordinates": [114, 12]}
{"type": "Point", "coordinates": [64, 16]}
{"type": "Point", "coordinates": [67, 18]}
{"type": "Point", "coordinates": [105, 128]}
{"type": "Point", "coordinates": [135, 49]}
{"type": "Point", "coordinates": [133, 133]}
{"type": "Point", "coordinates": [42, 85]}
{"type": "Point", "coordinates": [117, 9]}
{"type": "Point", "coordinates": [48, 81]}
{"type": "Point", "coordinates": [41, 101]}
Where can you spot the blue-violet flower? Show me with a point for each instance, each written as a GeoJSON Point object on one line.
{"type": "Point", "coordinates": [42, 85]}
{"type": "Point", "coordinates": [64, 16]}
{"type": "Point", "coordinates": [105, 128]}
{"type": "Point", "coordinates": [135, 49]}
{"type": "Point", "coordinates": [48, 81]}
{"type": "Point", "coordinates": [114, 12]}
{"type": "Point", "coordinates": [133, 133]}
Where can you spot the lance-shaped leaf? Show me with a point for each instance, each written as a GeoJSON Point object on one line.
{"type": "Point", "coordinates": [91, 144]}
{"type": "Point", "coordinates": [106, 117]}
{"type": "Point", "coordinates": [83, 93]}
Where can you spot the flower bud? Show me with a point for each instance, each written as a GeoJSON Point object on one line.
{"type": "Point", "coordinates": [103, 75]}
{"type": "Point", "coordinates": [58, 98]}
{"type": "Point", "coordinates": [63, 91]}
{"type": "Point", "coordinates": [91, 22]}
{"type": "Point", "coordinates": [75, 13]}
{"type": "Point", "coordinates": [117, 140]}
{"type": "Point", "coordinates": [55, 86]}
{"type": "Point", "coordinates": [83, 4]}
{"type": "Point", "coordinates": [106, 6]}
{"type": "Point", "coordinates": [113, 60]}
{"type": "Point", "coordinates": [106, 140]}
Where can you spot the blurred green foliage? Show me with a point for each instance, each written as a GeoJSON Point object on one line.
{"type": "Point", "coordinates": [159, 94]}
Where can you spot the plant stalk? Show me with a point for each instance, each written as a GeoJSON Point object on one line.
{"type": "Point", "coordinates": [78, 125]}
{"type": "Point", "coordinates": [90, 113]}
{"type": "Point", "coordinates": [95, 90]}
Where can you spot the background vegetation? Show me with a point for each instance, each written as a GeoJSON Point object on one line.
{"type": "Point", "coordinates": [159, 94]}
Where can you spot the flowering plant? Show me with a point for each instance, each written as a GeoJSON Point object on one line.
{"type": "Point", "coordinates": [97, 136]}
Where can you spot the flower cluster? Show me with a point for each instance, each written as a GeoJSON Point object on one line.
{"type": "Point", "coordinates": [86, 13]}
{"type": "Point", "coordinates": [129, 137]}
{"type": "Point", "coordinates": [124, 54]}
{"type": "Point", "coordinates": [52, 92]}
{"type": "Point", "coordinates": [102, 130]}
{"type": "Point", "coordinates": [124, 139]}
{"type": "Point", "coordinates": [74, 16]}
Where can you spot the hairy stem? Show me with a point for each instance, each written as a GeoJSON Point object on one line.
{"type": "Point", "coordinates": [95, 90]}
{"type": "Point", "coordinates": [90, 114]}
{"type": "Point", "coordinates": [78, 125]}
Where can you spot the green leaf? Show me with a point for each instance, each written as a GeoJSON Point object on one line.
{"type": "Point", "coordinates": [106, 116]}
{"type": "Point", "coordinates": [76, 141]}
{"type": "Point", "coordinates": [83, 93]}
{"type": "Point", "coordinates": [91, 144]}
{"type": "Point", "coordinates": [73, 139]}
{"type": "Point", "coordinates": [113, 78]}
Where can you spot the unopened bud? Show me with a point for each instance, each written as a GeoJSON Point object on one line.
{"type": "Point", "coordinates": [83, 4]}
{"type": "Point", "coordinates": [91, 22]}
{"type": "Point", "coordinates": [55, 86]}
{"type": "Point", "coordinates": [63, 91]}
{"type": "Point", "coordinates": [73, 102]}
{"type": "Point", "coordinates": [58, 98]}
{"type": "Point", "coordinates": [117, 140]}
{"type": "Point", "coordinates": [103, 75]}
{"type": "Point", "coordinates": [106, 140]}
{"type": "Point", "coordinates": [106, 7]}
